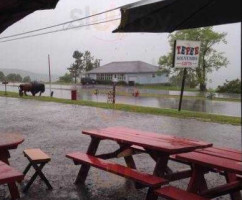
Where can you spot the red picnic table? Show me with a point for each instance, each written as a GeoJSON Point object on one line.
{"type": "Point", "coordinates": [227, 162]}
{"type": "Point", "coordinates": [158, 146]}
{"type": "Point", "coordinates": [9, 141]}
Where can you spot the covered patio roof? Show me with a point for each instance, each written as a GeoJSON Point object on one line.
{"type": "Point", "coordinates": [15, 10]}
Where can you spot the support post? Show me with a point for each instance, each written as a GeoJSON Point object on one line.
{"type": "Point", "coordinates": [49, 75]}
{"type": "Point", "coordinates": [114, 92]}
{"type": "Point", "coordinates": [182, 88]}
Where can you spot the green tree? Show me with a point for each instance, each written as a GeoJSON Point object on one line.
{"type": "Point", "coordinates": [83, 62]}
{"type": "Point", "coordinates": [210, 59]}
{"type": "Point", "coordinates": [14, 77]}
{"type": "Point", "coordinates": [67, 78]}
{"type": "Point", "coordinates": [2, 76]}
{"type": "Point", "coordinates": [233, 86]}
{"type": "Point", "coordinates": [26, 79]}
{"type": "Point", "coordinates": [76, 68]}
{"type": "Point", "coordinates": [89, 62]}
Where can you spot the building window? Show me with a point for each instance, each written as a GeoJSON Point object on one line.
{"type": "Point", "coordinates": [153, 75]}
{"type": "Point", "coordinates": [109, 77]}
{"type": "Point", "coordinates": [104, 76]}
{"type": "Point", "coordinates": [121, 77]}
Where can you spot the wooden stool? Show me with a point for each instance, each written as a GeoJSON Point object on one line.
{"type": "Point", "coordinates": [37, 159]}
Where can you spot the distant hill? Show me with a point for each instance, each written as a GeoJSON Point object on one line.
{"type": "Point", "coordinates": [33, 76]}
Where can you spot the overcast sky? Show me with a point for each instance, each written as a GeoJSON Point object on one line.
{"type": "Point", "coordinates": [31, 54]}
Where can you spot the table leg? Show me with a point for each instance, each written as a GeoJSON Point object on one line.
{"type": "Point", "coordinates": [13, 191]}
{"type": "Point", "coordinates": [160, 169]}
{"type": "Point", "coordinates": [230, 177]}
{"type": "Point", "coordinates": [92, 149]}
{"type": "Point", "coordinates": [4, 156]}
{"type": "Point", "coordinates": [197, 182]}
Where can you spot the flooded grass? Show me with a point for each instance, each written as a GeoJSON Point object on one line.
{"type": "Point", "coordinates": [175, 96]}
{"type": "Point", "coordinates": [138, 109]}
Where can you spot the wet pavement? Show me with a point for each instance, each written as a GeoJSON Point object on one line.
{"type": "Point", "coordinates": [201, 105]}
{"type": "Point", "coordinates": [56, 129]}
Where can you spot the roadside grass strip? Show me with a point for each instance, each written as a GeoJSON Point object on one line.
{"type": "Point", "coordinates": [223, 119]}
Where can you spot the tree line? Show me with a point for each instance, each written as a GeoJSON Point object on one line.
{"type": "Point", "coordinates": [83, 62]}
{"type": "Point", "coordinates": [14, 78]}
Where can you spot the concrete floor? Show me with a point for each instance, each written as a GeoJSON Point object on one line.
{"type": "Point", "coordinates": [56, 129]}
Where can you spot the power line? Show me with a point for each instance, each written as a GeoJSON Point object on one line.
{"type": "Point", "coordinates": [61, 24]}
{"type": "Point", "coordinates": [60, 30]}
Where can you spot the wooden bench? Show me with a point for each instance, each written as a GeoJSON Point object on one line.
{"type": "Point", "coordinates": [37, 159]}
{"type": "Point", "coordinates": [143, 178]}
{"type": "Point", "coordinates": [231, 168]}
{"type": "Point", "coordinates": [10, 176]}
{"type": "Point", "coordinates": [173, 193]}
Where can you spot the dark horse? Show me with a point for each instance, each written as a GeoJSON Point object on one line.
{"type": "Point", "coordinates": [33, 87]}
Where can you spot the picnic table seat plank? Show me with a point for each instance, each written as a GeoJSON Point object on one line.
{"type": "Point", "coordinates": [173, 193]}
{"type": "Point", "coordinates": [146, 179]}
{"type": "Point", "coordinates": [210, 161]}
{"type": "Point", "coordinates": [147, 140]}
{"type": "Point", "coordinates": [223, 153]}
{"type": "Point", "coordinates": [9, 174]}
{"type": "Point", "coordinates": [36, 155]}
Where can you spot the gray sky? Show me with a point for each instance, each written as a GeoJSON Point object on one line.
{"type": "Point", "coordinates": [31, 54]}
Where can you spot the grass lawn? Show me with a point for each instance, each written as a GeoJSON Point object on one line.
{"type": "Point", "coordinates": [138, 109]}
{"type": "Point", "coordinates": [162, 87]}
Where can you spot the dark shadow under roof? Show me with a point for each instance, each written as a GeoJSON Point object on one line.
{"type": "Point", "coordinates": [12, 11]}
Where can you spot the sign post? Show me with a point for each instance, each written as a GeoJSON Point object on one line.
{"type": "Point", "coordinates": [115, 80]}
{"type": "Point", "coordinates": [51, 93]}
{"type": "Point", "coordinates": [5, 83]}
{"type": "Point", "coordinates": [186, 55]}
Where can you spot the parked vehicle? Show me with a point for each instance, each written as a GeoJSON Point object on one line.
{"type": "Point", "coordinates": [87, 80]}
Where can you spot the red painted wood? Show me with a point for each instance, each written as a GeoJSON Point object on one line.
{"type": "Point", "coordinates": [229, 149]}
{"type": "Point", "coordinates": [173, 193]}
{"type": "Point", "coordinates": [135, 175]}
{"type": "Point", "coordinates": [160, 142]}
{"type": "Point", "coordinates": [223, 153]}
{"type": "Point", "coordinates": [9, 174]}
{"type": "Point", "coordinates": [232, 187]}
{"type": "Point", "coordinates": [211, 161]}
{"type": "Point", "coordinates": [10, 140]}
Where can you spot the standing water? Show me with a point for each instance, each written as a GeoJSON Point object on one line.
{"type": "Point", "coordinates": [201, 105]}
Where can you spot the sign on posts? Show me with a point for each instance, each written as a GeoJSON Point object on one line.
{"type": "Point", "coordinates": [186, 54]}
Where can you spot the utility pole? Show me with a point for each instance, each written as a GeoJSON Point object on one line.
{"type": "Point", "coordinates": [49, 75]}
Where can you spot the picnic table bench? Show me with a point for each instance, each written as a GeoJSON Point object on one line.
{"type": "Point", "coordinates": [227, 162]}
{"type": "Point", "coordinates": [8, 175]}
{"type": "Point", "coordinates": [8, 142]}
{"type": "Point", "coordinates": [158, 146]}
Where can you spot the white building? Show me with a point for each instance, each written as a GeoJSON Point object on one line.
{"type": "Point", "coordinates": [130, 72]}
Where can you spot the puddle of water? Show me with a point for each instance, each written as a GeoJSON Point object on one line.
{"type": "Point", "coordinates": [208, 106]}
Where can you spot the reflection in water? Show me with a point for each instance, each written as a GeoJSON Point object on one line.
{"type": "Point", "coordinates": [200, 105]}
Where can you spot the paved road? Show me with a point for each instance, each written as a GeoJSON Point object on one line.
{"type": "Point", "coordinates": [56, 128]}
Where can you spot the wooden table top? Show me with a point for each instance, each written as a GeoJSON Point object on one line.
{"type": "Point", "coordinates": [10, 140]}
{"type": "Point", "coordinates": [148, 140]}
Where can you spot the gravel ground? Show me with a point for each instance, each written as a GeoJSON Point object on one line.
{"type": "Point", "coordinates": [56, 129]}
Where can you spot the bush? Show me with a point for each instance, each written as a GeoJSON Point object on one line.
{"type": "Point", "coordinates": [104, 82]}
{"type": "Point", "coordinates": [233, 86]}
{"type": "Point", "coordinates": [123, 83]}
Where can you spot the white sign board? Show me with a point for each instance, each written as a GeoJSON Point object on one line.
{"type": "Point", "coordinates": [186, 54]}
